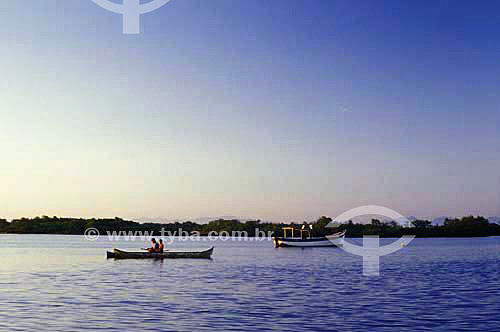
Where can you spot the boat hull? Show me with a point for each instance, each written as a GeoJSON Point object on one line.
{"type": "Point", "coordinates": [335, 240]}
{"type": "Point", "coordinates": [120, 254]}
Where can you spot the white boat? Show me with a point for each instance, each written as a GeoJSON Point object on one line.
{"type": "Point", "coordinates": [334, 240]}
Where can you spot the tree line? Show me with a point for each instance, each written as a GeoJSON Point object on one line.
{"type": "Point", "coordinates": [469, 226]}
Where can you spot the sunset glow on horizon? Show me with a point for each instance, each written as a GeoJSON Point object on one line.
{"type": "Point", "coordinates": [278, 110]}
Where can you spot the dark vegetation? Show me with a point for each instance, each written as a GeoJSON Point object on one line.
{"type": "Point", "coordinates": [464, 227]}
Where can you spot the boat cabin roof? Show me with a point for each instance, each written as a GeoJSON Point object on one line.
{"type": "Point", "coordinates": [301, 230]}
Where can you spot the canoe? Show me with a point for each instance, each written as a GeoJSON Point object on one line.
{"type": "Point", "coordinates": [334, 240]}
{"type": "Point", "coordinates": [120, 254]}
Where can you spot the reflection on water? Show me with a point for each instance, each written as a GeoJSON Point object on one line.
{"type": "Point", "coordinates": [64, 283]}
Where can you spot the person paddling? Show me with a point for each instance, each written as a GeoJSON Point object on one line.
{"type": "Point", "coordinates": [154, 246]}
{"type": "Point", "coordinates": [161, 247]}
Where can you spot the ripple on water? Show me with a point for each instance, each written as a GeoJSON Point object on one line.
{"type": "Point", "coordinates": [432, 285]}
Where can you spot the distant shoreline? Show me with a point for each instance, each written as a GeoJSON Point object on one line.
{"type": "Point", "coordinates": [468, 226]}
{"type": "Point", "coordinates": [231, 238]}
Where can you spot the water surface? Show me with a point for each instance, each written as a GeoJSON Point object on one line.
{"type": "Point", "coordinates": [64, 283]}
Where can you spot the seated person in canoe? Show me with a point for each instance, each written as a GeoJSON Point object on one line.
{"type": "Point", "coordinates": [154, 246]}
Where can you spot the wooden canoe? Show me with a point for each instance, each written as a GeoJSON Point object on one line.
{"type": "Point", "coordinates": [120, 254]}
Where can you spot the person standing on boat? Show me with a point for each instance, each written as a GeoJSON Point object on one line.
{"type": "Point", "coordinates": [154, 246]}
{"type": "Point", "coordinates": [161, 247]}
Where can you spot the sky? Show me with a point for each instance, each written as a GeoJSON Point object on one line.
{"type": "Point", "coordinates": [275, 109]}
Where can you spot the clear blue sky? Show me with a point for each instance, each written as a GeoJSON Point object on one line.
{"type": "Point", "coordinates": [278, 109]}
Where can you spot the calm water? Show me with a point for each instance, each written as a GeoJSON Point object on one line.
{"type": "Point", "coordinates": [64, 283]}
